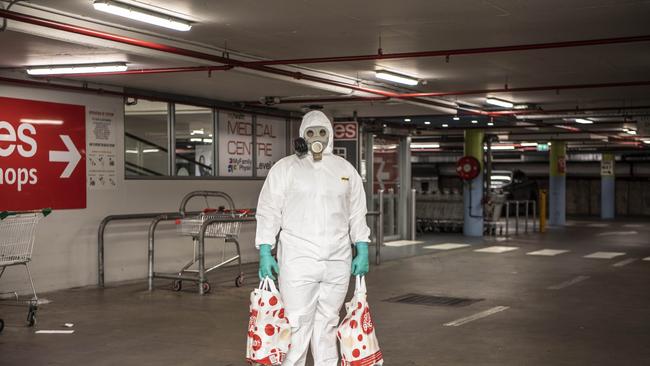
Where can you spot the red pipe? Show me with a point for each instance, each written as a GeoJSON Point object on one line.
{"type": "Point", "coordinates": [455, 52]}
{"type": "Point", "coordinates": [179, 51]}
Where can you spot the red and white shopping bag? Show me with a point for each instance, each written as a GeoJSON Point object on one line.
{"type": "Point", "coordinates": [359, 345]}
{"type": "Point", "coordinates": [269, 332]}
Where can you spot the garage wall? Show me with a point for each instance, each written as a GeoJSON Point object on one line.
{"type": "Point", "coordinates": [65, 253]}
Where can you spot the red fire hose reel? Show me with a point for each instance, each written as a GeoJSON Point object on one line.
{"type": "Point", "coordinates": [468, 168]}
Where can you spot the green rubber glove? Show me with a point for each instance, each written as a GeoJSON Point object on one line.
{"type": "Point", "coordinates": [268, 265]}
{"type": "Point", "coordinates": [360, 265]}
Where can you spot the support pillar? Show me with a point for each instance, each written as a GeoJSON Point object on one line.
{"type": "Point", "coordinates": [473, 190]}
{"type": "Point", "coordinates": [607, 187]}
{"type": "Point", "coordinates": [557, 184]}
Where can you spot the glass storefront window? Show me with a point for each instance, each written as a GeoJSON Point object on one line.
{"type": "Point", "coordinates": [146, 139]}
{"type": "Point", "coordinates": [194, 135]}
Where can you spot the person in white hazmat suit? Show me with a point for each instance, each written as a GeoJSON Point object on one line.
{"type": "Point", "coordinates": [318, 204]}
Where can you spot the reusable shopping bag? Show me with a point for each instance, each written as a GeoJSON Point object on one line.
{"type": "Point", "coordinates": [356, 334]}
{"type": "Point", "coordinates": [269, 332]}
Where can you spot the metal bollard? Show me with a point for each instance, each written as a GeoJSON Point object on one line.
{"type": "Point", "coordinates": [507, 218]}
{"type": "Point", "coordinates": [516, 217]}
{"type": "Point", "coordinates": [534, 216]}
{"type": "Point", "coordinates": [526, 217]}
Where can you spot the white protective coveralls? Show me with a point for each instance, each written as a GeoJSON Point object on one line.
{"type": "Point", "coordinates": [320, 208]}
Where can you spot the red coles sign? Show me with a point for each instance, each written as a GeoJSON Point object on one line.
{"type": "Point", "coordinates": [42, 155]}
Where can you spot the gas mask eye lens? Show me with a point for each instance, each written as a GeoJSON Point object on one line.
{"type": "Point", "coordinates": [322, 132]}
{"type": "Point", "coordinates": [310, 133]}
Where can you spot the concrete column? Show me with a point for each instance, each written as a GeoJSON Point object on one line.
{"type": "Point", "coordinates": [557, 184]}
{"type": "Point", "coordinates": [473, 190]}
{"type": "Point", "coordinates": [607, 187]}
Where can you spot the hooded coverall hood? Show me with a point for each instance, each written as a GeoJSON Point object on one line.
{"type": "Point", "coordinates": [318, 119]}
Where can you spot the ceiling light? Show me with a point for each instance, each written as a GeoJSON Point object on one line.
{"type": "Point", "coordinates": [143, 15]}
{"type": "Point", "coordinates": [502, 147]}
{"type": "Point", "coordinates": [474, 121]}
{"type": "Point", "coordinates": [76, 69]}
{"type": "Point", "coordinates": [150, 151]}
{"type": "Point", "coordinates": [407, 120]}
{"type": "Point", "coordinates": [196, 139]}
{"type": "Point", "coordinates": [490, 123]}
{"type": "Point", "coordinates": [520, 106]}
{"type": "Point", "coordinates": [197, 132]}
{"type": "Point", "coordinates": [131, 151]}
{"type": "Point", "coordinates": [631, 132]}
{"type": "Point", "coordinates": [427, 122]}
{"type": "Point", "coordinates": [499, 102]}
{"type": "Point", "coordinates": [584, 121]}
{"type": "Point", "coordinates": [529, 144]}
{"type": "Point", "coordinates": [398, 78]}
{"type": "Point", "coordinates": [424, 145]}
{"type": "Point", "coordinates": [32, 121]}
{"type": "Point", "coordinates": [646, 142]}
{"type": "Point", "coordinates": [207, 141]}
{"type": "Point", "coordinates": [445, 125]}
{"type": "Point", "coordinates": [456, 118]}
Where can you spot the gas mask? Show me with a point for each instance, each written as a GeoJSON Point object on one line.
{"type": "Point", "coordinates": [315, 140]}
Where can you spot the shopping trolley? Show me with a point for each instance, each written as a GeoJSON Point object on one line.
{"type": "Point", "coordinates": [229, 231]}
{"type": "Point", "coordinates": [17, 231]}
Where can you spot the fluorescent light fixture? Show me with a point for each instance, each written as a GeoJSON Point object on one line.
{"type": "Point", "coordinates": [474, 121]}
{"type": "Point", "coordinates": [142, 15]}
{"type": "Point", "coordinates": [501, 177]}
{"type": "Point", "coordinates": [549, 143]}
{"type": "Point", "coordinates": [131, 151]}
{"type": "Point", "coordinates": [520, 106]}
{"type": "Point", "coordinates": [499, 102]}
{"type": "Point", "coordinates": [196, 139]}
{"type": "Point", "coordinates": [529, 144]}
{"type": "Point", "coordinates": [631, 132]}
{"type": "Point", "coordinates": [197, 132]}
{"type": "Point", "coordinates": [77, 69]}
{"type": "Point", "coordinates": [32, 121]}
{"type": "Point", "coordinates": [490, 123]}
{"type": "Point", "coordinates": [502, 147]}
{"type": "Point", "coordinates": [646, 142]}
{"type": "Point", "coordinates": [584, 121]}
{"type": "Point", "coordinates": [445, 125]}
{"type": "Point", "coordinates": [424, 145]}
{"type": "Point", "coordinates": [395, 77]}
{"type": "Point", "coordinates": [150, 150]}
{"type": "Point", "coordinates": [407, 120]}
{"type": "Point", "coordinates": [427, 122]}
{"type": "Point", "coordinates": [456, 118]}
{"type": "Point", "coordinates": [207, 141]}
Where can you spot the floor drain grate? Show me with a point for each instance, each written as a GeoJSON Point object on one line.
{"type": "Point", "coordinates": [419, 299]}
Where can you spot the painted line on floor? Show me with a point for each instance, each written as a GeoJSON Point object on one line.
{"type": "Point", "coordinates": [497, 249]}
{"type": "Point", "coordinates": [604, 255]}
{"type": "Point", "coordinates": [617, 233]}
{"type": "Point", "coordinates": [624, 262]}
{"type": "Point", "coordinates": [633, 225]}
{"type": "Point", "coordinates": [647, 259]}
{"type": "Point", "coordinates": [402, 243]}
{"type": "Point", "coordinates": [471, 318]}
{"type": "Point", "coordinates": [548, 252]}
{"type": "Point", "coordinates": [446, 246]}
{"type": "Point", "coordinates": [598, 225]}
{"type": "Point", "coordinates": [54, 331]}
{"type": "Point", "coordinates": [568, 283]}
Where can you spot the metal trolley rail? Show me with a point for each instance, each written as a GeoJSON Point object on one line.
{"type": "Point", "coordinates": [17, 232]}
{"type": "Point", "coordinates": [220, 223]}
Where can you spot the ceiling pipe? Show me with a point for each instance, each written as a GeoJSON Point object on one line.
{"type": "Point", "coordinates": [163, 70]}
{"type": "Point", "coordinates": [464, 92]}
{"type": "Point", "coordinates": [203, 56]}
{"type": "Point", "coordinates": [457, 52]}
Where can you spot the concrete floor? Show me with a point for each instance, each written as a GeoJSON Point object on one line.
{"type": "Point", "coordinates": [562, 310]}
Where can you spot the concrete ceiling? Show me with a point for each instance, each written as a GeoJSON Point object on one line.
{"type": "Point", "coordinates": [313, 28]}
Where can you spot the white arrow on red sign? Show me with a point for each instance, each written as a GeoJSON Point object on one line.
{"type": "Point", "coordinates": [71, 156]}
